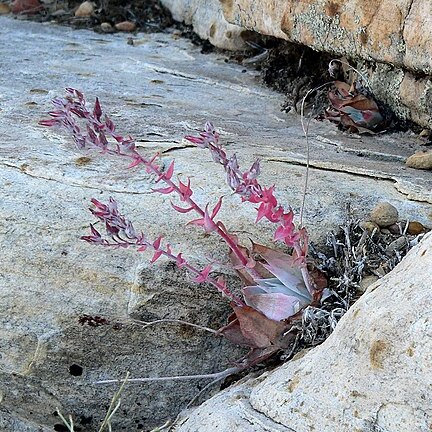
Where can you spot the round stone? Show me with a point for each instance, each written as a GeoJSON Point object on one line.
{"type": "Point", "coordinates": [420, 160]}
{"type": "Point", "coordinates": [415, 228]}
{"type": "Point", "coordinates": [384, 214]}
{"type": "Point", "coordinates": [369, 226]}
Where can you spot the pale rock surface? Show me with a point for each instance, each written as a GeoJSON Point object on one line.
{"type": "Point", "coordinates": [85, 9]}
{"type": "Point", "coordinates": [420, 160]}
{"type": "Point", "coordinates": [395, 35]}
{"type": "Point", "coordinates": [385, 31]}
{"type": "Point", "coordinates": [208, 22]}
{"type": "Point", "coordinates": [372, 374]}
{"type": "Point", "coordinates": [158, 91]}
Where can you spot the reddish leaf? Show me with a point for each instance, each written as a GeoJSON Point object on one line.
{"type": "Point", "coordinates": [156, 256]}
{"type": "Point", "coordinates": [169, 171]}
{"type": "Point", "coordinates": [261, 331]}
{"type": "Point", "coordinates": [217, 208]}
{"type": "Point", "coordinates": [135, 162]}
{"type": "Point", "coordinates": [157, 242]}
{"type": "Point", "coordinates": [203, 276]}
{"type": "Point", "coordinates": [164, 191]}
{"type": "Point", "coordinates": [234, 334]}
{"type": "Point", "coordinates": [49, 123]}
{"type": "Point", "coordinates": [185, 190]}
{"type": "Point", "coordinates": [181, 209]}
{"type": "Point", "coordinates": [97, 111]}
{"type": "Point", "coordinates": [180, 261]}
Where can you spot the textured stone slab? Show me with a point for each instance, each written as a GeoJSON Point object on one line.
{"type": "Point", "coordinates": [208, 22]}
{"type": "Point", "coordinates": [373, 373]}
{"type": "Point", "coordinates": [387, 31]}
{"type": "Point", "coordinates": [158, 91]}
{"type": "Point", "coordinates": [394, 34]}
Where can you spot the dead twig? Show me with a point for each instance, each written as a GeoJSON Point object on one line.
{"type": "Point", "coordinates": [214, 376]}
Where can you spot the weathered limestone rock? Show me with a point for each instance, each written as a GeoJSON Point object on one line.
{"type": "Point", "coordinates": [385, 31]}
{"type": "Point", "coordinates": [409, 95]}
{"type": "Point", "coordinates": [85, 9]}
{"type": "Point", "coordinates": [53, 287]}
{"type": "Point", "coordinates": [384, 214]}
{"type": "Point", "coordinates": [394, 34]}
{"type": "Point", "coordinates": [373, 373]}
{"type": "Point", "coordinates": [208, 22]}
{"type": "Point", "coordinates": [420, 160]}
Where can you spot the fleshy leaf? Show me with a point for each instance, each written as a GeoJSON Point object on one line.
{"type": "Point", "coordinates": [216, 208]}
{"type": "Point", "coordinates": [257, 328]}
{"type": "Point", "coordinates": [181, 209]}
{"type": "Point", "coordinates": [156, 256]}
{"type": "Point", "coordinates": [169, 172]}
{"type": "Point", "coordinates": [285, 268]}
{"type": "Point", "coordinates": [202, 277]}
{"type": "Point", "coordinates": [164, 191]}
{"type": "Point", "coordinates": [274, 305]}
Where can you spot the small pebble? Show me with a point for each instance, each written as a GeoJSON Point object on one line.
{"type": "Point", "coordinates": [106, 27]}
{"type": "Point", "coordinates": [84, 10]}
{"type": "Point", "coordinates": [384, 214]}
{"type": "Point", "coordinates": [58, 12]}
{"type": "Point", "coordinates": [395, 228]}
{"type": "Point", "coordinates": [415, 228]}
{"type": "Point", "coordinates": [420, 160]}
{"type": "Point", "coordinates": [28, 7]}
{"type": "Point", "coordinates": [370, 227]}
{"type": "Point", "coordinates": [381, 271]}
{"type": "Point", "coordinates": [396, 245]}
{"type": "Point", "coordinates": [126, 26]}
{"type": "Point", "coordinates": [4, 9]}
{"type": "Point", "coordinates": [366, 282]}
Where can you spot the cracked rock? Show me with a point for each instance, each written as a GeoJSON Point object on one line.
{"type": "Point", "coordinates": [372, 373]}
{"type": "Point", "coordinates": [64, 302]}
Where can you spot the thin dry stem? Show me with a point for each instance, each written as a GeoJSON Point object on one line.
{"type": "Point", "coordinates": [210, 384]}
{"type": "Point", "coordinates": [307, 172]}
{"type": "Point", "coordinates": [217, 375]}
{"type": "Point", "coordinates": [70, 424]}
{"type": "Point", "coordinates": [363, 77]}
{"type": "Point", "coordinates": [114, 406]}
{"type": "Point", "coordinates": [146, 324]}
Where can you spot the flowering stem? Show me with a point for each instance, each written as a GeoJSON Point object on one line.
{"type": "Point", "coordinates": [245, 184]}
{"type": "Point", "coordinates": [217, 375]}
{"type": "Point", "coordinates": [160, 251]}
{"type": "Point", "coordinates": [219, 286]}
{"type": "Point", "coordinates": [215, 225]}
{"type": "Point", "coordinates": [74, 105]}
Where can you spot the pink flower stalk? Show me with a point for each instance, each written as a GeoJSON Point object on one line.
{"type": "Point", "coordinates": [245, 184]}
{"type": "Point", "coordinates": [278, 297]}
{"type": "Point", "coordinates": [122, 234]}
{"type": "Point", "coordinates": [101, 134]}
